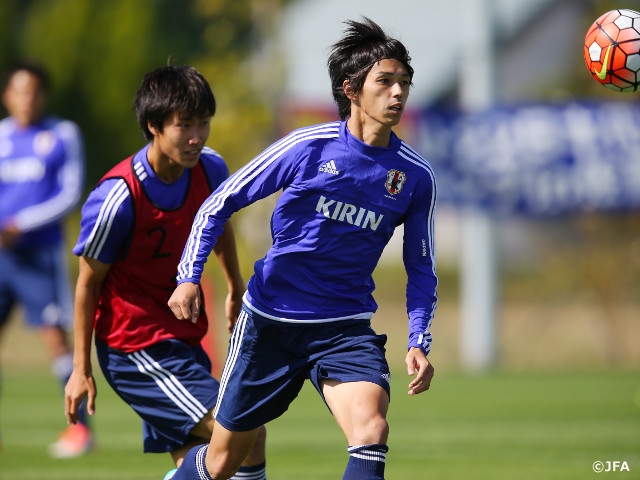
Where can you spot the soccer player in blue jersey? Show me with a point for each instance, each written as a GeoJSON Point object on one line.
{"type": "Point", "coordinates": [346, 186]}
{"type": "Point", "coordinates": [41, 180]}
{"type": "Point", "coordinates": [134, 226]}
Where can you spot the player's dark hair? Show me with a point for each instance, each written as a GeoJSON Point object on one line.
{"type": "Point", "coordinates": [33, 68]}
{"type": "Point", "coordinates": [171, 89]}
{"type": "Point", "coordinates": [351, 58]}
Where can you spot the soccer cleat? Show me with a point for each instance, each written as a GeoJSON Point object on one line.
{"type": "Point", "coordinates": [170, 474]}
{"type": "Point", "coordinates": [74, 441]}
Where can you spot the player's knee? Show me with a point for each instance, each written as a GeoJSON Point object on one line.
{"type": "Point", "coordinates": [373, 431]}
{"type": "Point", "coordinates": [381, 427]}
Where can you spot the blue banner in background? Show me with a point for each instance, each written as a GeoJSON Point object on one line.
{"type": "Point", "coordinates": [543, 159]}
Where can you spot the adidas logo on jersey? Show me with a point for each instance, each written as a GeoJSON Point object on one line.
{"type": "Point", "coordinates": [329, 167]}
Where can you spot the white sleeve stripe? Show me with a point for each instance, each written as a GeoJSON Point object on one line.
{"type": "Point", "coordinates": [140, 171]}
{"type": "Point", "coordinates": [412, 156]}
{"type": "Point", "coordinates": [287, 142]}
{"type": "Point", "coordinates": [431, 220]}
{"type": "Point", "coordinates": [412, 153]}
{"type": "Point", "coordinates": [108, 211]}
{"type": "Point", "coordinates": [200, 222]}
{"type": "Point", "coordinates": [240, 179]}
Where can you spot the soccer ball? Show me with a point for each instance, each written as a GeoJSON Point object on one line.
{"type": "Point", "coordinates": [612, 50]}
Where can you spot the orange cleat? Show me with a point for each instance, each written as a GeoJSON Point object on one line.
{"type": "Point", "coordinates": [74, 441]}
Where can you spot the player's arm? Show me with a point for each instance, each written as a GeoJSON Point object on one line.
{"type": "Point", "coordinates": [227, 255]}
{"type": "Point", "coordinates": [419, 261]}
{"type": "Point", "coordinates": [81, 384]}
{"type": "Point", "coordinates": [70, 179]}
{"type": "Point", "coordinates": [107, 219]}
{"type": "Point", "coordinates": [266, 174]}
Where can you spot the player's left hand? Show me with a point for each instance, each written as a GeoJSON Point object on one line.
{"type": "Point", "coordinates": [419, 365]}
{"type": "Point", "coordinates": [233, 305]}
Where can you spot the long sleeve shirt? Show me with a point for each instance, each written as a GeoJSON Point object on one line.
{"type": "Point", "coordinates": [42, 170]}
{"type": "Point", "coordinates": [340, 201]}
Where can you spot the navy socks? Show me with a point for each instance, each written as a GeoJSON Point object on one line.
{"type": "Point", "coordinates": [366, 462]}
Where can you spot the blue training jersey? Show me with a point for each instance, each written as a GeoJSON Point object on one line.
{"type": "Point", "coordinates": [340, 203]}
{"type": "Point", "coordinates": [41, 177]}
{"type": "Point", "coordinates": [108, 213]}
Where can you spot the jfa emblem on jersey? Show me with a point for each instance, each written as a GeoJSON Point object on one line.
{"type": "Point", "coordinates": [395, 181]}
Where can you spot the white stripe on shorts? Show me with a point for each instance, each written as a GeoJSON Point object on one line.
{"type": "Point", "coordinates": [169, 385]}
{"type": "Point", "coordinates": [235, 343]}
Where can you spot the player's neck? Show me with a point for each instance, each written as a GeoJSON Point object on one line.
{"type": "Point", "coordinates": [165, 169]}
{"type": "Point", "coordinates": [368, 131]}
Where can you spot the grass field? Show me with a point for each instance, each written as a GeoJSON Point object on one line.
{"type": "Point", "coordinates": [498, 426]}
{"type": "Point", "coordinates": [553, 406]}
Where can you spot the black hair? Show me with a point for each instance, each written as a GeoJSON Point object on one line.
{"type": "Point", "coordinates": [351, 58]}
{"type": "Point", "coordinates": [31, 67]}
{"type": "Point", "coordinates": [171, 89]}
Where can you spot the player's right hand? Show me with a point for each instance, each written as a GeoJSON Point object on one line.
{"type": "Point", "coordinates": [77, 388]}
{"type": "Point", "coordinates": [185, 301]}
{"type": "Point", "coordinates": [9, 237]}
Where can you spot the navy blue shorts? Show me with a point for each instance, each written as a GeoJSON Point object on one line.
{"type": "Point", "coordinates": [37, 279]}
{"type": "Point", "coordinates": [169, 385]}
{"type": "Point", "coordinates": [268, 362]}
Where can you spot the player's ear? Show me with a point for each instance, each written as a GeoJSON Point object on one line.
{"type": "Point", "coordinates": [153, 129]}
{"type": "Point", "coordinates": [348, 91]}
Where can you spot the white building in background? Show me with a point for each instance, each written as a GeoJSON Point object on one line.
{"type": "Point", "coordinates": [535, 40]}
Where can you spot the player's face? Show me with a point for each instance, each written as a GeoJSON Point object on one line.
{"type": "Point", "coordinates": [24, 98]}
{"type": "Point", "coordinates": [384, 93]}
{"type": "Point", "coordinates": [182, 138]}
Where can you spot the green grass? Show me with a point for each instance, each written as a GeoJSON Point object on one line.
{"type": "Point", "coordinates": [498, 426]}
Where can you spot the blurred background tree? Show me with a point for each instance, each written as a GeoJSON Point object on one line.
{"type": "Point", "coordinates": [570, 281]}
{"type": "Point", "coordinates": [97, 53]}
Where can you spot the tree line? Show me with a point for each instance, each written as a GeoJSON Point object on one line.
{"type": "Point", "coordinates": [98, 51]}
